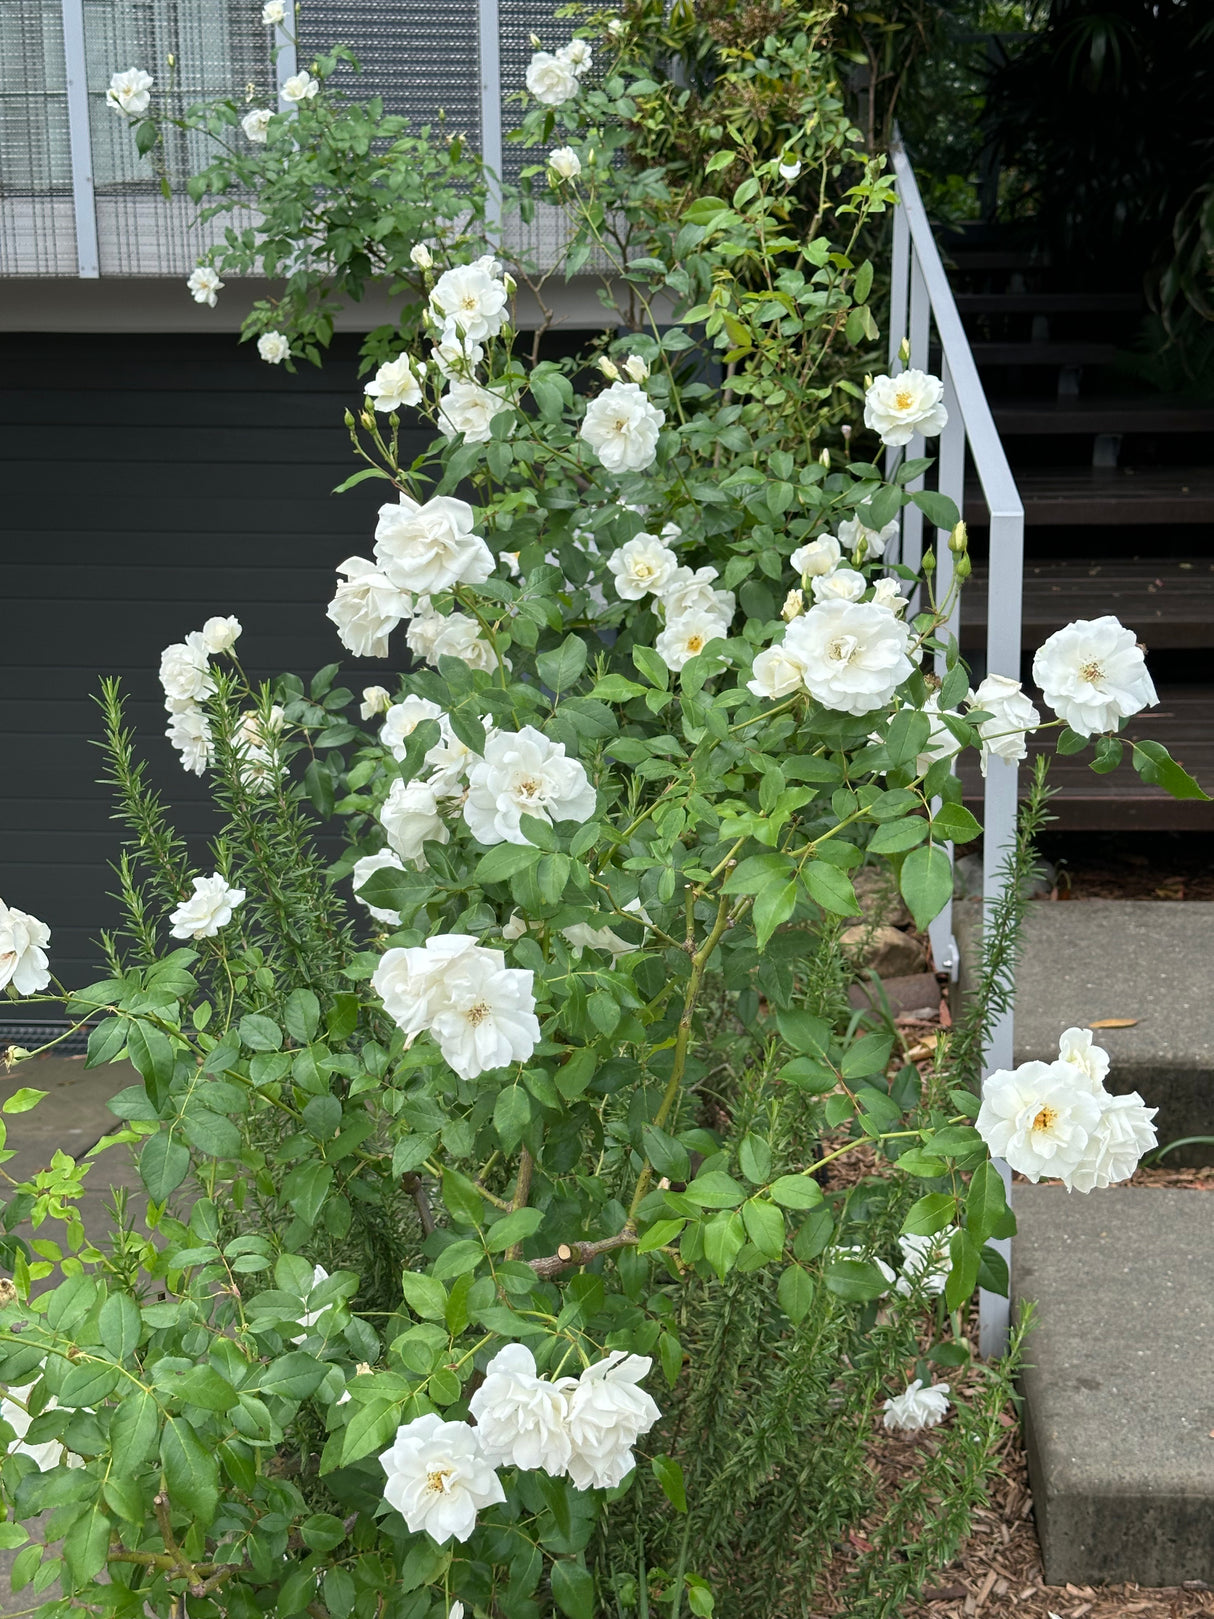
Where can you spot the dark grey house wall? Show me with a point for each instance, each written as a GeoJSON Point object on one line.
{"type": "Point", "coordinates": [149, 482]}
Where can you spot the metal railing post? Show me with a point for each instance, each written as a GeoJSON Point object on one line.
{"type": "Point", "coordinates": [80, 141]}
{"type": "Point", "coordinates": [951, 483]}
{"type": "Point", "coordinates": [931, 299]}
{"type": "Point", "coordinates": [286, 63]}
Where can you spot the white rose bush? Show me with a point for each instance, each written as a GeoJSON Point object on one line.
{"type": "Point", "coordinates": [532, 1226]}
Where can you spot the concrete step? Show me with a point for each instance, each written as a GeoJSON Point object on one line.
{"type": "Point", "coordinates": [1143, 959]}
{"type": "Point", "coordinates": [1119, 1401]}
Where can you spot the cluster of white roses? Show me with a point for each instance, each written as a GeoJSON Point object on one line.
{"type": "Point", "coordinates": [1057, 1119]}
{"type": "Point", "coordinates": [479, 1011]}
{"type": "Point", "coordinates": [553, 76]}
{"type": "Point", "coordinates": [441, 1474]}
{"type": "Point", "coordinates": [420, 550]}
{"type": "Point", "coordinates": [23, 961]}
{"type": "Point", "coordinates": [185, 678]}
{"type": "Point", "coordinates": [695, 612]}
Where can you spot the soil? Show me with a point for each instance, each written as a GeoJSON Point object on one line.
{"type": "Point", "coordinates": [1125, 865]}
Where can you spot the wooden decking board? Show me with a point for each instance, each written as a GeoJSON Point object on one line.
{"type": "Point", "coordinates": [1049, 354]}
{"type": "Point", "coordinates": [1098, 497]}
{"type": "Point", "coordinates": [1046, 303]}
{"type": "Point", "coordinates": [1169, 602]}
{"type": "Point", "coordinates": [1082, 416]}
{"type": "Point", "coordinates": [1122, 801]}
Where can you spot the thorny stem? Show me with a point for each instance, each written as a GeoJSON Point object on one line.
{"type": "Point", "coordinates": [522, 1191]}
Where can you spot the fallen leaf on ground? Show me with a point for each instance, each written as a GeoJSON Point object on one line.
{"type": "Point", "coordinates": [1113, 1023]}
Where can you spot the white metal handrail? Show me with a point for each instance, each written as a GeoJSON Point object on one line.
{"type": "Point", "coordinates": [920, 298]}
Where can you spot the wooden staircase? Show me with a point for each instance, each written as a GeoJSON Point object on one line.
{"type": "Point", "coordinates": [1118, 492]}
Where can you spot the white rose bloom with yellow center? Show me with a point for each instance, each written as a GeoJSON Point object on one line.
{"type": "Point", "coordinates": [1038, 1119]}
{"type": "Point", "coordinates": [129, 92]}
{"type": "Point", "coordinates": [776, 673]}
{"type": "Point", "coordinates": [524, 773]}
{"type": "Point", "coordinates": [854, 654]}
{"type": "Point", "coordinates": [473, 298]}
{"type": "Point", "coordinates": [564, 163]}
{"type": "Point", "coordinates": [486, 1019]}
{"type": "Point", "coordinates": [274, 347]}
{"type": "Point", "coordinates": [621, 427]}
{"type": "Point", "coordinates": [256, 125]}
{"type": "Point", "coordinates": [204, 285]}
{"type": "Point", "coordinates": [686, 637]}
{"type": "Point", "coordinates": [469, 409]}
{"type": "Point", "coordinates": [1093, 674]}
{"type": "Point", "coordinates": [403, 718]}
{"type": "Point", "coordinates": [396, 385]}
{"type": "Point", "coordinates": [818, 557]}
{"type": "Point", "coordinates": [844, 584]}
{"type": "Point", "coordinates": [299, 87]}
{"type": "Point", "coordinates": [438, 1478]}
{"type": "Point", "coordinates": [899, 407]}
{"type": "Point", "coordinates": [642, 565]}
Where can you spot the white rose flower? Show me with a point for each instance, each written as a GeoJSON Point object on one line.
{"type": "Point", "coordinates": [818, 557]}
{"type": "Point", "coordinates": [520, 1416]}
{"type": "Point", "coordinates": [918, 1408]}
{"type": "Point", "coordinates": [474, 298]}
{"type": "Point", "coordinates": [449, 761]}
{"type": "Point", "coordinates": [455, 636]}
{"type": "Point", "coordinates": [46, 1456]}
{"type": "Point", "coordinates": [608, 1413]}
{"type": "Point", "coordinates": [925, 1264]}
{"type": "Point", "coordinates": [438, 1478]}
{"type": "Point", "coordinates": [376, 700]}
{"type": "Point", "coordinates": [23, 962]}
{"type": "Point", "coordinates": [686, 637]}
{"type": "Point", "coordinates": [299, 87]}
{"type": "Point", "coordinates": [274, 347]}
{"type": "Point", "coordinates": [899, 407]}
{"type": "Point", "coordinates": [581, 936]}
{"type": "Point", "coordinates": [642, 565]}
{"type": "Point", "coordinates": [409, 816]}
{"type": "Point", "coordinates": [366, 608]}
{"type": "Point", "coordinates": [256, 125]}
{"type": "Point", "coordinates": [396, 384]}
{"type": "Point", "coordinates": [1092, 673]}
{"type": "Point", "coordinates": [129, 91]}
{"type": "Point", "coordinates": [1123, 1133]}
{"type": "Point", "coordinates": [887, 594]}
{"type": "Point", "coordinates": [794, 606]}
{"type": "Point", "coordinates": [220, 634]}
{"type": "Point", "coordinates": [456, 356]}
{"type": "Point", "coordinates": [621, 427]}
{"type": "Point", "coordinates": [208, 908]}
{"type": "Point", "coordinates": [310, 1317]}
{"type": "Point", "coordinates": [421, 256]}
{"type": "Point", "coordinates": [551, 80]}
{"type": "Point", "coordinates": [852, 531]}
{"type": "Point", "coordinates": [274, 11]}
{"type": "Point", "coordinates": [564, 163]}
{"type": "Point", "coordinates": [486, 1019]}
{"type": "Point", "coordinates": [366, 867]}
{"type": "Point", "coordinates": [609, 368]}
{"type": "Point", "coordinates": [637, 368]}
{"type": "Point", "coordinates": [844, 584]}
{"type": "Point", "coordinates": [790, 171]}
{"type": "Point", "coordinates": [578, 54]}
{"type": "Point", "coordinates": [411, 982]}
{"type": "Point", "coordinates": [428, 547]}
{"type": "Point", "coordinates": [1005, 734]}
{"type": "Point", "coordinates": [1038, 1118]}
{"type": "Point", "coordinates": [469, 409]}
{"type": "Point", "coordinates": [776, 673]}
{"type": "Point", "coordinates": [854, 654]}
{"type": "Point", "coordinates": [189, 731]}
{"type": "Point", "coordinates": [524, 773]}
{"type": "Point", "coordinates": [185, 673]}
{"type": "Point", "coordinates": [403, 718]}
{"type": "Point", "coordinates": [1077, 1048]}
{"type": "Point", "coordinates": [204, 285]}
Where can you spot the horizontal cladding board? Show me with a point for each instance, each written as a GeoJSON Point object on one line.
{"type": "Point", "coordinates": [194, 506]}
{"type": "Point", "coordinates": [101, 361]}
{"type": "Point", "coordinates": [154, 584]}
{"type": "Point", "coordinates": [227, 552]}
{"type": "Point", "coordinates": [177, 408]}
{"type": "Point", "coordinates": [138, 490]}
{"type": "Point", "coordinates": [214, 442]}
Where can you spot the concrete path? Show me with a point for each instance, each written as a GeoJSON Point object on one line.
{"type": "Point", "coordinates": [1119, 1396]}
{"type": "Point", "coordinates": [1151, 961]}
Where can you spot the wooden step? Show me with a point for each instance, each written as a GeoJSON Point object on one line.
{"type": "Point", "coordinates": [1122, 801]}
{"type": "Point", "coordinates": [986, 258]}
{"type": "Point", "coordinates": [1169, 603]}
{"type": "Point", "coordinates": [1100, 497]}
{"type": "Point", "coordinates": [1047, 303]}
{"type": "Point", "coordinates": [1035, 354]}
{"type": "Point", "coordinates": [1087, 416]}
